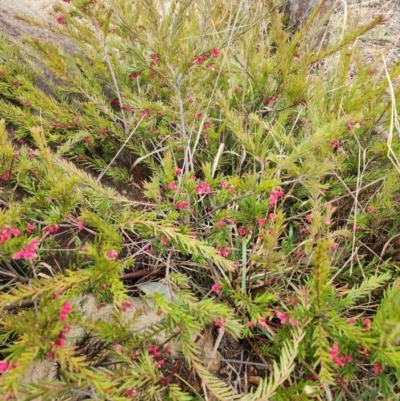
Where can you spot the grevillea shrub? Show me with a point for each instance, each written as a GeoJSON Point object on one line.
{"type": "Point", "coordinates": [206, 147]}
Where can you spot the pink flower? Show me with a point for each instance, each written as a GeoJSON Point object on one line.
{"type": "Point", "coordinates": [203, 188]}
{"type": "Point", "coordinates": [328, 221]}
{"type": "Point", "coordinates": [283, 317]}
{"type": "Point", "coordinates": [160, 363]}
{"type": "Point", "coordinates": [224, 184]}
{"type": "Point", "coordinates": [172, 185]}
{"type": "Point", "coordinates": [178, 171]}
{"type": "Point", "coordinates": [367, 323]}
{"type": "Point", "coordinates": [378, 368]}
{"type": "Point", "coordinates": [60, 342]}
{"type": "Point", "coordinates": [199, 60]}
{"type": "Point", "coordinates": [223, 251]}
{"type": "Point", "coordinates": [274, 196]}
{"type": "Point", "coordinates": [309, 218]}
{"type": "Point", "coordinates": [65, 310]}
{"type": "Point", "coordinates": [192, 234]}
{"type": "Point", "coordinates": [125, 306]}
{"type": "Point", "coordinates": [335, 144]}
{"type": "Point", "coordinates": [298, 253]}
{"type": "Point", "coordinates": [334, 350]}
{"type": "Point", "coordinates": [51, 229]}
{"type": "Point", "coordinates": [153, 349]}
{"type": "Point", "coordinates": [336, 358]}
{"type": "Point", "coordinates": [215, 52]}
{"type": "Point", "coordinates": [250, 324]}
{"type": "Point", "coordinates": [271, 101]}
{"type": "Point", "coordinates": [134, 75]}
{"type": "Point", "coordinates": [351, 321]}
{"type": "Point", "coordinates": [181, 205]}
{"type": "Point", "coordinates": [219, 223]}
{"type": "Point", "coordinates": [261, 222]}
{"type": "Point", "coordinates": [216, 287]}
{"type": "Point", "coordinates": [118, 347]}
{"type": "Point", "coordinates": [145, 114]}
{"type": "Point", "coordinates": [199, 115]}
{"type": "Point", "coordinates": [333, 246]}
{"type": "Point", "coordinates": [262, 323]}
{"type": "Point", "coordinates": [155, 58]}
{"type": "Point", "coordinates": [207, 125]}
{"type": "Point", "coordinates": [61, 20]}
{"type": "Point", "coordinates": [238, 89]}
{"type": "Point", "coordinates": [130, 393]}
{"type": "Point", "coordinates": [30, 228]}
{"type": "Point", "coordinates": [219, 322]}
{"type": "Point", "coordinates": [243, 231]}
{"type": "Point", "coordinates": [7, 232]}
{"type": "Point", "coordinates": [211, 67]}
{"type": "Point", "coordinates": [67, 1]}
{"type": "Point", "coordinates": [112, 254]}
{"type": "Point", "coordinates": [28, 252]}
{"type": "Point", "coordinates": [15, 232]}
{"type": "Point", "coordinates": [80, 225]}
{"type": "Point", "coordinates": [4, 365]}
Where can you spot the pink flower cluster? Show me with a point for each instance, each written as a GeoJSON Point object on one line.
{"type": "Point", "coordinates": [243, 231]}
{"type": "Point", "coordinates": [378, 368]}
{"type": "Point", "coordinates": [65, 310]}
{"type": "Point", "coordinates": [203, 188]}
{"type": "Point", "coordinates": [154, 350]}
{"type": "Point", "coordinates": [145, 114]}
{"type": "Point", "coordinates": [216, 288]}
{"type": "Point", "coordinates": [284, 317]}
{"type": "Point", "coordinates": [61, 20]}
{"type": "Point", "coordinates": [125, 306]}
{"type": "Point", "coordinates": [155, 58]}
{"type": "Point", "coordinates": [112, 254]}
{"type": "Point", "coordinates": [274, 196]}
{"type": "Point", "coordinates": [181, 205]}
{"type": "Point", "coordinates": [51, 229]}
{"type": "Point", "coordinates": [4, 365]}
{"type": "Point", "coordinates": [29, 252]}
{"type": "Point", "coordinates": [263, 323]}
{"type": "Point", "coordinates": [7, 232]}
{"type": "Point", "coordinates": [225, 252]}
{"type": "Point", "coordinates": [172, 185]}
{"type": "Point", "coordinates": [131, 392]}
{"type": "Point", "coordinates": [337, 358]}
{"type": "Point", "coordinates": [30, 228]}
{"type": "Point", "coordinates": [60, 342]}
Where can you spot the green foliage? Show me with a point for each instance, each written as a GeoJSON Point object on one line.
{"type": "Point", "coordinates": [208, 145]}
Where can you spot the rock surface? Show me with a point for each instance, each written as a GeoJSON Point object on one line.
{"type": "Point", "coordinates": [32, 9]}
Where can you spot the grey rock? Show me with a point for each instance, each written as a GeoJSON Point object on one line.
{"type": "Point", "coordinates": [40, 10]}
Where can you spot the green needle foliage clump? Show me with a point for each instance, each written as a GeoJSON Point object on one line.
{"type": "Point", "coordinates": [204, 145]}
